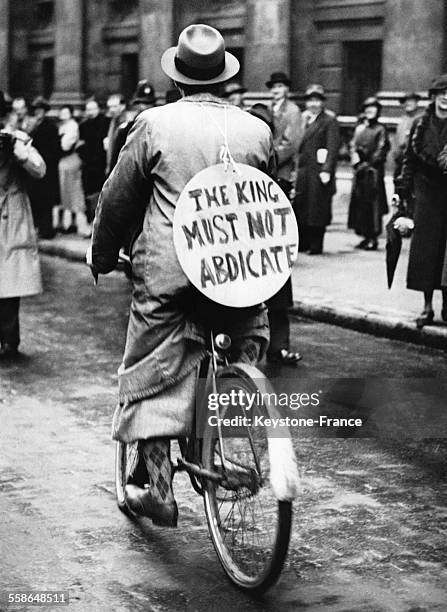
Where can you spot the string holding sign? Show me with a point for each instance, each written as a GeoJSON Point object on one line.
{"type": "Point", "coordinates": [235, 235]}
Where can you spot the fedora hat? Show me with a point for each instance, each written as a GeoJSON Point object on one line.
{"type": "Point", "coordinates": [41, 102]}
{"type": "Point", "coordinates": [372, 101]}
{"type": "Point", "coordinates": [315, 91]}
{"type": "Point", "coordinates": [438, 84]}
{"type": "Point", "coordinates": [199, 57]}
{"type": "Point", "coordinates": [233, 88]}
{"type": "Point", "coordinates": [278, 77]}
{"type": "Point", "coordinates": [409, 95]}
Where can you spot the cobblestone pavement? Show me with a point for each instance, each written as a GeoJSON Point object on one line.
{"type": "Point", "coordinates": [370, 526]}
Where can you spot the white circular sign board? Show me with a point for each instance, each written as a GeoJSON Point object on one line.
{"type": "Point", "coordinates": [235, 235]}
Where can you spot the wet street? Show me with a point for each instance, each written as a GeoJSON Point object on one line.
{"type": "Point", "coordinates": [370, 528]}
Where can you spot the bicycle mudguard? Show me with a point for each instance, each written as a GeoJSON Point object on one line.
{"type": "Point", "coordinates": [284, 476]}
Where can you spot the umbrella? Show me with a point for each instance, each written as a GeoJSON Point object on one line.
{"type": "Point", "coordinates": [393, 247]}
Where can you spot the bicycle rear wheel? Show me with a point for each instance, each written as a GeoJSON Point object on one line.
{"type": "Point", "coordinates": [126, 461]}
{"type": "Point", "coordinates": [249, 527]}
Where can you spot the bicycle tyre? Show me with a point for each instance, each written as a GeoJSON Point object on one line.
{"type": "Point", "coordinates": [251, 380]}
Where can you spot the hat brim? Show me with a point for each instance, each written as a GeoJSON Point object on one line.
{"type": "Point", "coordinates": [315, 94]}
{"type": "Point", "coordinates": [168, 66]}
{"type": "Point", "coordinates": [285, 82]}
{"type": "Point", "coordinates": [240, 90]}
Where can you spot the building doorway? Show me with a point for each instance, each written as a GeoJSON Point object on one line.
{"type": "Point", "coordinates": [47, 76]}
{"type": "Point", "coordinates": [362, 73]}
{"type": "Point", "coordinates": [129, 74]}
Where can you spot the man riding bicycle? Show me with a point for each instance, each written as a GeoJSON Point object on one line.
{"type": "Point", "coordinates": [169, 319]}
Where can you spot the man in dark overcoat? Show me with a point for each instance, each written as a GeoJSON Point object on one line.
{"type": "Point", "coordinates": [92, 130]}
{"type": "Point", "coordinates": [44, 192]}
{"type": "Point", "coordinates": [317, 161]}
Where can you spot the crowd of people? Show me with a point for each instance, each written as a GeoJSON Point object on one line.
{"type": "Point", "coordinates": [80, 151]}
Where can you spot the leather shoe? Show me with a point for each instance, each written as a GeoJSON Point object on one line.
{"type": "Point", "coordinates": [285, 357]}
{"type": "Point", "coordinates": [425, 318]}
{"type": "Point", "coordinates": [143, 503]}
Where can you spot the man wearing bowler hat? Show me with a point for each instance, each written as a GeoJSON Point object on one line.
{"type": "Point", "coordinates": [169, 321]}
{"type": "Point", "coordinates": [287, 130]}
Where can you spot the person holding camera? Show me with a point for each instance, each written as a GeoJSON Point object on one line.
{"type": "Point", "coordinates": [19, 260]}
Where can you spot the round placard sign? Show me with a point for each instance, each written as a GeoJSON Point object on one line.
{"type": "Point", "coordinates": [235, 235]}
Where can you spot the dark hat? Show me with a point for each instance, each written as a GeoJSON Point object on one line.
{"type": "Point", "coordinates": [199, 57]}
{"type": "Point", "coordinates": [372, 101]}
{"type": "Point", "coordinates": [144, 93]}
{"type": "Point", "coordinates": [41, 102]}
{"type": "Point", "coordinates": [315, 91]}
{"type": "Point", "coordinates": [261, 111]}
{"type": "Point", "coordinates": [409, 95]}
{"type": "Point", "coordinates": [278, 77]}
{"type": "Point", "coordinates": [438, 84]}
{"type": "Point", "coordinates": [232, 88]}
{"type": "Point", "coordinates": [172, 95]}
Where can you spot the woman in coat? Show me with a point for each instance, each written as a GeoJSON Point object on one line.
{"type": "Point", "coordinates": [424, 176]}
{"type": "Point", "coordinates": [70, 176]}
{"type": "Point", "coordinates": [317, 161]}
{"type": "Point", "coordinates": [19, 261]}
{"type": "Point", "coordinates": [370, 147]}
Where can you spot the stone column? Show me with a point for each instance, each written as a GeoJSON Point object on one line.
{"type": "Point", "coordinates": [69, 52]}
{"type": "Point", "coordinates": [4, 44]}
{"type": "Point", "coordinates": [156, 35]}
{"type": "Point", "coordinates": [267, 43]}
{"type": "Point", "coordinates": [413, 45]}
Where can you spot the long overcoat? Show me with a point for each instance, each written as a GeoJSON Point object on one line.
{"type": "Point", "coordinates": [370, 146]}
{"type": "Point", "coordinates": [92, 132]}
{"type": "Point", "coordinates": [287, 134]}
{"type": "Point", "coordinates": [167, 147]}
{"type": "Point", "coordinates": [424, 183]}
{"type": "Point", "coordinates": [19, 258]}
{"type": "Point", "coordinates": [45, 191]}
{"type": "Point", "coordinates": [313, 202]}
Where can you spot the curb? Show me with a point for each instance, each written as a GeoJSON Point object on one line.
{"type": "Point", "coordinates": [351, 318]}
{"type": "Point", "coordinates": [373, 324]}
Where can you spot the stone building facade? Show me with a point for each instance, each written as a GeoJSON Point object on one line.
{"type": "Point", "coordinates": [68, 49]}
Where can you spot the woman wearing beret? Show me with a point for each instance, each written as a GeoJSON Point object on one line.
{"type": "Point", "coordinates": [369, 149]}
{"type": "Point", "coordinates": [424, 177]}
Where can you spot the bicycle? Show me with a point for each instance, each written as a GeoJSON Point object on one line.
{"type": "Point", "coordinates": [249, 527]}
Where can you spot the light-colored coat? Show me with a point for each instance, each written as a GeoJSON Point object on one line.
{"type": "Point", "coordinates": [19, 259]}
{"type": "Point", "coordinates": [167, 147]}
{"type": "Point", "coordinates": [287, 137]}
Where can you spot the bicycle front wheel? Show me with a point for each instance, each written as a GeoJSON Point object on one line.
{"type": "Point", "coordinates": [249, 527]}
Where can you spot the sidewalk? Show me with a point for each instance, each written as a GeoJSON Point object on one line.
{"type": "Point", "coordinates": [343, 286]}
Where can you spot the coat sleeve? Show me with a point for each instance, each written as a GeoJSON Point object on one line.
{"type": "Point", "coordinates": [382, 147]}
{"type": "Point", "coordinates": [332, 146]}
{"type": "Point", "coordinates": [123, 199]}
{"type": "Point", "coordinates": [287, 147]}
{"type": "Point", "coordinates": [404, 183]}
{"type": "Point", "coordinates": [34, 165]}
